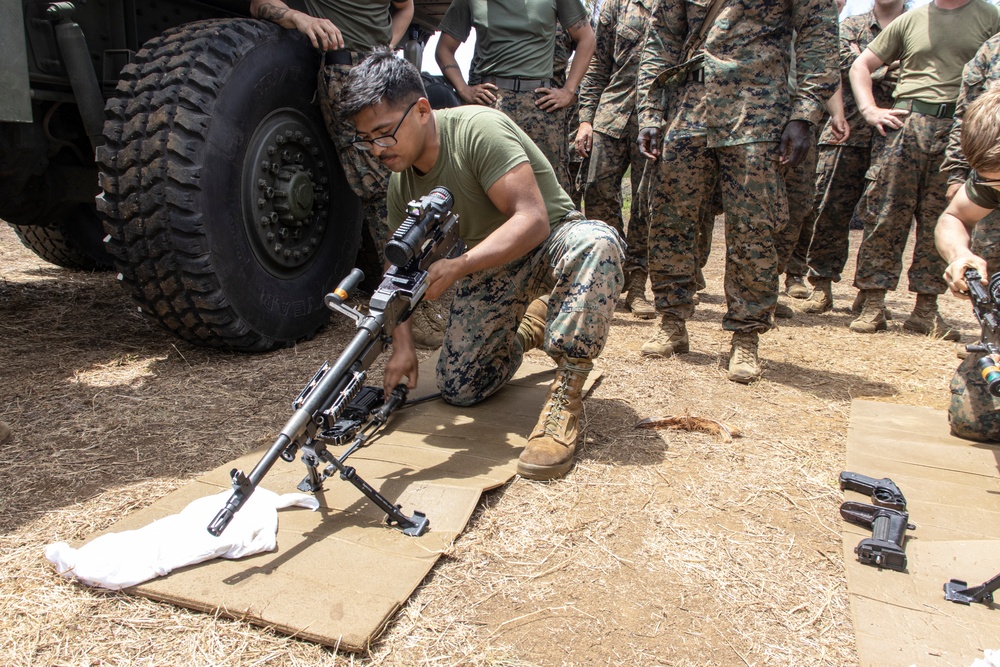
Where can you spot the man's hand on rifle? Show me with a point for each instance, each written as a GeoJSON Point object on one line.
{"type": "Point", "coordinates": [442, 274]}
{"type": "Point", "coordinates": [403, 360]}
{"type": "Point", "coordinates": [954, 275]}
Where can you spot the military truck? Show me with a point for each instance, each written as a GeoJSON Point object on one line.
{"type": "Point", "coordinates": [220, 201]}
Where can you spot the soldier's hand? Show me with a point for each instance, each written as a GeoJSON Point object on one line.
{"type": "Point", "coordinates": [795, 141]}
{"type": "Point", "coordinates": [553, 99]}
{"type": "Point", "coordinates": [649, 142]}
{"type": "Point", "coordinates": [403, 360]}
{"type": "Point", "coordinates": [584, 139]}
{"type": "Point", "coordinates": [954, 275]}
{"type": "Point", "coordinates": [953, 188]}
{"type": "Point", "coordinates": [441, 275]}
{"type": "Point", "coordinates": [481, 93]}
{"type": "Point", "coordinates": [884, 119]}
{"type": "Point", "coordinates": [323, 34]}
{"type": "Point", "coordinates": [840, 128]}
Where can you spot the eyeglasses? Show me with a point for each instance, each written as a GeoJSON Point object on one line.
{"type": "Point", "coordinates": [977, 180]}
{"type": "Point", "coordinates": [386, 140]}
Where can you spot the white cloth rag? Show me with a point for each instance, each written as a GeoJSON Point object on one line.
{"type": "Point", "coordinates": [119, 560]}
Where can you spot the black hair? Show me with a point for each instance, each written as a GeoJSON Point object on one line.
{"type": "Point", "coordinates": [380, 78]}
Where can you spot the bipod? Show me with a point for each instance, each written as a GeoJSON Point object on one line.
{"type": "Point", "coordinates": [960, 592]}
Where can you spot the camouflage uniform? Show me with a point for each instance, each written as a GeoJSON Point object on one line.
{"type": "Point", "coordinates": [792, 243]}
{"type": "Point", "coordinates": [607, 101]}
{"type": "Point", "coordinates": [726, 128]}
{"type": "Point", "coordinates": [366, 175]}
{"type": "Point", "coordinates": [980, 74]}
{"type": "Point", "coordinates": [838, 186]}
{"type": "Point", "coordinates": [905, 180]}
{"type": "Point", "coordinates": [579, 266]}
{"type": "Point", "coordinates": [973, 413]}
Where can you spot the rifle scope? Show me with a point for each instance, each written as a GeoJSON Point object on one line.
{"type": "Point", "coordinates": [421, 216]}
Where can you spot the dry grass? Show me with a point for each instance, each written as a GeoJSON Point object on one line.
{"type": "Point", "coordinates": [661, 547]}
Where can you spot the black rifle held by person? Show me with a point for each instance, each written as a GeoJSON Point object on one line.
{"type": "Point", "coordinates": [985, 306]}
{"type": "Point", "coordinates": [335, 405]}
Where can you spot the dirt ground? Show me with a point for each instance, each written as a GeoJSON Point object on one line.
{"type": "Point", "coordinates": [659, 548]}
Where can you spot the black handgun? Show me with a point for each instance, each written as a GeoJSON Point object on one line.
{"type": "Point", "coordinates": [885, 547]}
{"type": "Point", "coordinates": [884, 492]}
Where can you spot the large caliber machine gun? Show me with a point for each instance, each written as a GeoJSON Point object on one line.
{"type": "Point", "coordinates": [336, 407]}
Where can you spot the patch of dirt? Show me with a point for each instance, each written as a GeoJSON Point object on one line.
{"type": "Point", "coordinates": [660, 547]}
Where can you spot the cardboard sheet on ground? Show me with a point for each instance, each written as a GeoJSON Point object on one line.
{"type": "Point", "coordinates": [952, 489]}
{"type": "Point", "coordinates": [339, 573]}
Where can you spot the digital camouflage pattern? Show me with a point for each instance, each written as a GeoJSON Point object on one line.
{"type": "Point", "coordinates": [607, 101]}
{"type": "Point", "coordinates": [904, 182]}
{"type": "Point", "coordinates": [727, 129]}
{"type": "Point", "coordinates": [979, 75]}
{"type": "Point", "coordinates": [366, 175]}
{"type": "Point", "coordinates": [547, 130]}
{"type": "Point", "coordinates": [838, 187]}
{"type": "Point", "coordinates": [755, 204]}
{"type": "Point", "coordinates": [974, 414]}
{"type": "Point", "coordinates": [579, 266]}
{"type": "Point", "coordinates": [792, 243]}
{"type": "Point", "coordinates": [745, 96]}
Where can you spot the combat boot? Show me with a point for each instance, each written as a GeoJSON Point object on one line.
{"type": "Point", "coordinates": [552, 444]}
{"type": "Point", "coordinates": [427, 325]}
{"type": "Point", "coordinates": [743, 364]}
{"type": "Point", "coordinates": [671, 338]}
{"type": "Point", "coordinates": [635, 298]}
{"type": "Point", "coordinates": [859, 303]}
{"type": "Point", "coordinates": [784, 311]}
{"type": "Point", "coordinates": [821, 299]}
{"type": "Point", "coordinates": [872, 317]}
{"type": "Point", "coordinates": [5, 432]}
{"type": "Point", "coordinates": [796, 287]}
{"type": "Point", "coordinates": [925, 319]}
{"type": "Point", "coordinates": [531, 330]}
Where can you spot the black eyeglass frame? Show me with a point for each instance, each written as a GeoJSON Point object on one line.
{"type": "Point", "coordinates": [386, 140]}
{"type": "Point", "coordinates": [977, 180]}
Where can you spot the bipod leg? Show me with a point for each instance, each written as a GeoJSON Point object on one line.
{"type": "Point", "coordinates": [414, 526]}
{"type": "Point", "coordinates": [960, 592]}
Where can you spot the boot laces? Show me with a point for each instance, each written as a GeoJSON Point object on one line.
{"type": "Point", "coordinates": [742, 353]}
{"type": "Point", "coordinates": [557, 406]}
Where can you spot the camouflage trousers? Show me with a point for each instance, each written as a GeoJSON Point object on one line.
{"type": "Point", "coordinates": [547, 130]}
{"type": "Point", "coordinates": [755, 206]}
{"type": "Point", "coordinates": [973, 413]}
{"type": "Point", "coordinates": [579, 266]}
{"type": "Point", "coordinates": [838, 189]}
{"type": "Point", "coordinates": [367, 177]}
{"type": "Point", "coordinates": [904, 182]}
{"type": "Point", "coordinates": [792, 243]}
{"type": "Point", "coordinates": [610, 158]}
{"type": "Point", "coordinates": [710, 210]}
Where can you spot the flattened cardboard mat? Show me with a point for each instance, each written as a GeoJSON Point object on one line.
{"type": "Point", "coordinates": [952, 489]}
{"type": "Point", "coordinates": [339, 573]}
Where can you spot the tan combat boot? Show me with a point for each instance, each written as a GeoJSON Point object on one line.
{"type": "Point", "coordinates": [635, 298]}
{"type": "Point", "coordinates": [796, 287]}
{"type": "Point", "coordinates": [531, 330]}
{"type": "Point", "coordinates": [859, 303]}
{"type": "Point", "coordinates": [784, 311]}
{"type": "Point", "coordinates": [872, 317]}
{"type": "Point", "coordinates": [671, 338]}
{"type": "Point", "coordinates": [821, 299]}
{"type": "Point", "coordinates": [743, 364]}
{"type": "Point", "coordinates": [925, 319]}
{"type": "Point", "coordinates": [552, 445]}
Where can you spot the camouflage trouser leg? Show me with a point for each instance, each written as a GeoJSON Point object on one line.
{"type": "Point", "coordinates": [838, 188]}
{"type": "Point", "coordinates": [904, 181]}
{"type": "Point", "coordinates": [755, 204]}
{"type": "Point", "coordinates": [579, 266]}
{"type": "Point", "coordinates": [367, 177]}
{"type": "Point", "coordinates": [792, 243]}
{"type": "Point", "coordinates": [547, 130]}
{"type": "Point", "coordinates": [973, 413]}
{"type": "Point", "coordinates": [986, 241]}
{"type": "Point", "coordinates": [610, 158]}
{"type": "Point", "coordinates": [710, 210]}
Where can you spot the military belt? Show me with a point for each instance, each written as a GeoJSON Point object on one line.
{"type": "Point", "coordinates": [697, 75]}
{"type": "Point", "coordinates": [339, 57]}
{"type": "Point", "coordinates": [938, 110]}
{"type": "Point", "coordinates": [517, 85]}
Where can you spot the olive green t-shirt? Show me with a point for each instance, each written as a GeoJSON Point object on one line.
{"type": "Point", "coordinates": [514, 38]}
{"type": "Point", "coordinates": [983, 196]}
{"type": "Point", "coordinates": [933, 45]}
{"type": "Point", "coordinates": [478, 146]}
{"type": "Point", "coordinates": [364, 24]}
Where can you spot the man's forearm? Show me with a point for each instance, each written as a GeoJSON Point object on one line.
{"type": "Point", "coordinates": [585, 47]}
{"type": "Point", "coordinates": [861, 84]}
{"type": "Point", "coordinates": [402, 15]}
{"type": "Point", "coordinates": [274, 11]}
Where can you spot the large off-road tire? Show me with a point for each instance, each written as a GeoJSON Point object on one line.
{"type": "Point", "coordinates": [72, 239]}
{"type": "Point", "coordinates": [227, 210]}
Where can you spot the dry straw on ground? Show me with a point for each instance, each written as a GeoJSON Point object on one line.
{"type": "Point", "coordinates": [661, 547]}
